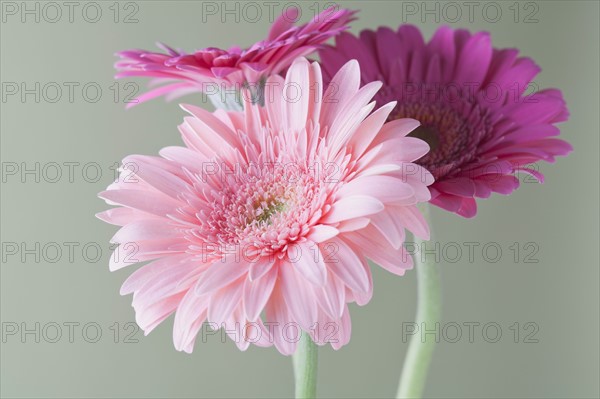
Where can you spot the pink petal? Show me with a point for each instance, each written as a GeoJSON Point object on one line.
{"type": "Point", "coordinates": [220, 274]}
{"type": "Point", "coordinates": [331, 296]}
{"type": "Point", "coordinates": [224, 301]}
{"type": "Point", "coordinates": [297, 296]}
{"type": "Point", "coordinates": [353, 207]}
{"type": "Point", "coordinates": [152, 202]}
{"type": "Point", "coordinates": [307, 260]}
{"type": "Point", "coordinates": [260, 267]}
{"type": "Point", "coordinates": [257, 293]}
{"type": "Point", "coordinates": [346, 265]}
{"type": "Point", "coordinates": [321, 232]}
{"type": "Point", "coordinates": [151, 229]}
{"type": "Point", "coordinates": [386, 189]}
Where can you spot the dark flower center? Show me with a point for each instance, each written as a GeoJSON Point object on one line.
{"type": "Point", "coordinates": [428, 134]}
{"type": "Point", "coordinates": [453, 131]}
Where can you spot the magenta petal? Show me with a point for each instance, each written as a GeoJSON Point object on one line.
{"type": "Point", "coordinates": [234, 67]}
{"type": "Point", "coordinates": [474, 59]}
{"type": "Point", "coordinates": [462, 187]}
{"type": "Point", "coordinates": [471, 102]}
{"type": "Point", "coordinates": [468, 208]}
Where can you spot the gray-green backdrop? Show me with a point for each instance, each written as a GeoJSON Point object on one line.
{"type": "Point", "coordinates": [59, 152]}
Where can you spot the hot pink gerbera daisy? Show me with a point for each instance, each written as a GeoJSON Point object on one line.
{"type": "Point", "coordinates": [211, 70]}
{"type": "Point", "coordinates": [275, 209]}
{"type": "Point", "coordinates": [471, 102]}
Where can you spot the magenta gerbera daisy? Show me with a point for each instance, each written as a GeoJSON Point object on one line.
{"type": "Point", "coordinates": [473, 104]}
{"type": "Point", "coordinates": [213, 70]}
{"type": "Point", "coordinates": [267, 216]}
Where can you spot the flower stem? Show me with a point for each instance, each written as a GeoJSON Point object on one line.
{"type": "Point", "coordinates": [420, 348]}
{"type": "Point", "coordinates": [305, 367]}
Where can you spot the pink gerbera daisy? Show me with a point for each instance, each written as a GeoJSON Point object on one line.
{"type": "Point", "coordinates": [471, 102]}
{"type": "Point", "coordinates": [212, 69]}
{"type": "Point", "coordinates": [267, 217]}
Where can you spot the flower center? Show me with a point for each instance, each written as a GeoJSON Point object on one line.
{"type": "Point", "coordinates": [452, 129]}
{"type": "Point", "coordinates": [262, 213]}
{"type": "Point", "coordinates": [428, 134]}
{"type": "Point", "coordinates": [265, 213]}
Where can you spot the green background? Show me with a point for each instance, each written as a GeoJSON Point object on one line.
{"type": "Point", "coordinates": [559, 293]}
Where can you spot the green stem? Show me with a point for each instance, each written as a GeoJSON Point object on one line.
{"type": "Point", "coordinates": [420, 348]}
{"type": "Point", "coordinates": [305, 367]}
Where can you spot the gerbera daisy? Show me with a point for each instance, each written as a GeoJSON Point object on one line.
{"type": "Point", "coordinates": [272, 210]}
{"type": "Point", "coordinates": [213, 70]}
{"type": "Point", "coordinates": [471, 101]}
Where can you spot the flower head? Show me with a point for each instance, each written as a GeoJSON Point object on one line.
{"type": "Point", "coordinates": [472, 104]}
{"type": "Point", "coordinates": [264, 221]}
{"type": "Point", "coordinates": [177, 73]}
